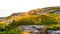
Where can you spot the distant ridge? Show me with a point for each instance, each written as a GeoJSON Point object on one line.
{"type": "Point", "coordinates": [1, 18]}
{"type": "Point", "coordinates": [51, 10]}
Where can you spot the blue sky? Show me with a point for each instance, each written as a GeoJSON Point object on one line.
{"type": "Point", "coordinates": [7, 7]}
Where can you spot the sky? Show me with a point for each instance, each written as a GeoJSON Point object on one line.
{"type": "Point", "coordinates": [7, 7]}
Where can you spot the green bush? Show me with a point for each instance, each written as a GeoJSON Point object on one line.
{"type": "Point", "coordinates": [12, 31]}
{"type": "Point", "coordinates": [46, 20]}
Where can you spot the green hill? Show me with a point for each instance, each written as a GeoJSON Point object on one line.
{"type": "Point", "coordinates": [49, 16]}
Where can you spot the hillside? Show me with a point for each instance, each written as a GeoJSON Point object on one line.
{"type": "Point", "coordinates": [49, 16]}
